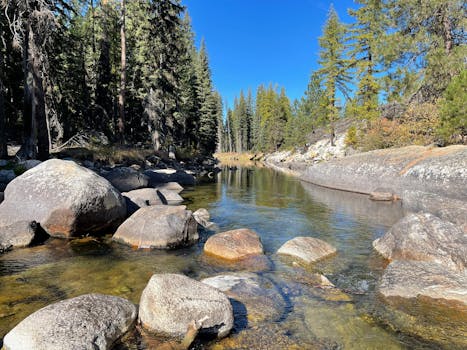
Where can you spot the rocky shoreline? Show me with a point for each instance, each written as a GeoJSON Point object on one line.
{"type": "Point", "coordinates": [426, 249]}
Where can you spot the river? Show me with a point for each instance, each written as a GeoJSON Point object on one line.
{"type": "Point", "coordinates": [278, 208]}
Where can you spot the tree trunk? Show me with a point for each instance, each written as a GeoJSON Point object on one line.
{"type": "Point", "coordinates": [40, 126]}
{"type": "Point", "coordinates": [28, 148]}
{"type": "Point", "coordinates": [121, 97]}
{"type": "Point", "coordinates": [3, 137]}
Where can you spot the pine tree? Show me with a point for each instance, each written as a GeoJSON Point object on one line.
{"type": "Point", "coordinates": [366, 37]}
{"type": "Point", "coordinates": [207, 131]}
{"type": "Point", "coordinates": [426, 40]}
{"type": "Point", "coordinates": [334, 65]}
{"type": "Point", "coordinates": [165, 47]}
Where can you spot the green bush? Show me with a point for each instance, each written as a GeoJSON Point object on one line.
{"type": "Point", "coordinates": [453, 128]}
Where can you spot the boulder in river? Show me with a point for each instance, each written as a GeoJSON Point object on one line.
{"type": "Point", "coordinates": [141, 198]}
{"type": "Point", "coordinates": [425, 237]}
{"type": "Point", "coordinates": [171, 197]}
{"type": "Point", "coordinates": [159, 226]}
{"type": "Point", "coordinates": [234, 244]}
{"type": "Point", "coordinates": [449, 209]}
{"type": "Point", "coordinates": [170, 302]}
{"type": "Point", "coordinates": [19, 234]}
{"type": "Point", "coordinates": [202, 217]}
{"type": "Point", "coordinates": [258, 295]}
{"type": "Point", "coordinates": [307, 249]}
{"type": "Point", "coordinates": [170, 186]}
{"type": "Point", "coordinates": [64, 198]}
{"type": "Point", "coordinates": [159, 176]}
{"type": "Point", "coordinates": [90, 321]}
{"type": "Point", "coordinates": [127, 179]}
{"type": "Point", "coordinates": [415, 279]}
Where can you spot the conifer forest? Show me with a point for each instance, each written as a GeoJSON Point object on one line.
{"type": "Point", "coordinates": [131, 71]}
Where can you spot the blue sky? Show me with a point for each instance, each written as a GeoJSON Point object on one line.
{"type": "Point", "coordinates": [251, 42]}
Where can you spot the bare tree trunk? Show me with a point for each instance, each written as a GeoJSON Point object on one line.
{"type": "Point", "coordinates": [3, 136]}
{"type": "Point", "coordinates": [28, 149]}
{"type": "Point", "coordinates": [121, 97]}
{"type": "Point", "coordinates": [40, 126]}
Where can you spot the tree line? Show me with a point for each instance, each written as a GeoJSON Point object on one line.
{"type": "Point", "coordinates": [398, 70]}
{"type": "Point", "coordinates": [127, 69]}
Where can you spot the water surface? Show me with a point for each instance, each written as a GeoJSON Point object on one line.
{"type": "Point", "coordinates": [279, 208]}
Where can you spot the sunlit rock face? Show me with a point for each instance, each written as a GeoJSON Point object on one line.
{"type": "Point", "coordinates": [64, 198]}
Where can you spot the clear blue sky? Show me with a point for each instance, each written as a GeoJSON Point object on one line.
{"type": "Point", "coordinates": [250, 42]}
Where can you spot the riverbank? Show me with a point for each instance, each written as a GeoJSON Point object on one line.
{"type": "Point", "coordinates": [428, 179]}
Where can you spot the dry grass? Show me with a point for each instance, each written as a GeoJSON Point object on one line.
{"type": "Point", "coordinates": [238, 159]}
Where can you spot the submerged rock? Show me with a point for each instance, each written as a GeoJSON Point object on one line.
{"type": "Point", "coordinates": [19, 234]}
{"type": "Point", "coordinates": [234, 244]}
{"type": "Point", "coordinates": [65, 198]}
{"type": "Point", "coordinates": [307, 249]}
{"type": "Point", "coordinates": [91, 321]}
{"type": "Point", "coordinates": [262, 300]}
{"type": "Point", "coordinates": [415, 279]}
{"type": "Point", "coordinates": [424, 237]}
{"type": "Point", "coordinates": [170, 302]}
{"type": "Point", "coordinates": [158, 226]}
{"type": "Point", "coordinates": [127, 179]}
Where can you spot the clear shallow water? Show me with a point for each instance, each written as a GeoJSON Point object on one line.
{"type": "Point", "coordinates": [279, 208]}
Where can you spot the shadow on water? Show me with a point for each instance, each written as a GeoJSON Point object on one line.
{"type": "Point", "coordinates": [279, 208]}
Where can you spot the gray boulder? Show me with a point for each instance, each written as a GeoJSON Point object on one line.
{"type": "Point", "coordinates": [30, 163]}
{"type": "Point", "coordinates": [170, 186]}
{"type": "Point", "coordinates": [425, 237]}
{"type": "Point", "coordinates": [414, 279]}
{"type": "Point", "coordinates": [259, 296]}
{"type": "Point", "coordinates": [159, 226]}
{"type": "Point", "coordinates": [7, 176]}
{"type": "Point", "coordinates": [171, 197]}
{"type": "Point", "coordinates": [91, 321]}
{"type": "Point", "coordinates": [64, 198]}
{"type": "Point", "coordinates": [17, 235]}
{"type": "Point", "coordinates": [171, 301]}
{"type": "Point", "coordinates": [202, 217]}
{"type": "Point", "coordinates": [141, 198]}
{"type": "Point", "coordinates": [307, 249]}
{"type": "Point", "coordinates": [156, 177]}
{"type": "Point", "coordinates": [450, 209]}
{"type": "Point", "coordinates": [126, 179]}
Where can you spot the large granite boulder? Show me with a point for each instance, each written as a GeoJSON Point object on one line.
{"type": "Point", "coordinates": [90, 321]}
{"type": "Point", "coordinates": [425, 237]}
{"type": "Point", "coordinates": [17, 235]}
{"type": "Point", "coordinates": [415, 279]}
{"type": "Point", "coordinates": [159, 226]}
{"type": "Point", "coordinates": [254, 297]}
{"type": "Point", "coordinates": [307, 249]}
{"type": "Point", "coordinates": [64, 198]}
{"type": "Point", "coordinates": [449, 209]}
{"type": "Point", "coordinates": [234, 244]}
{"type": "Point", "coordinates": [170, 302]}
{"type": "Point", "coordinates": [127, 179]}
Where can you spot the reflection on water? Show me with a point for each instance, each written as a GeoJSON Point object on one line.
{"type": "Point", "coordinates": [278, 208]}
